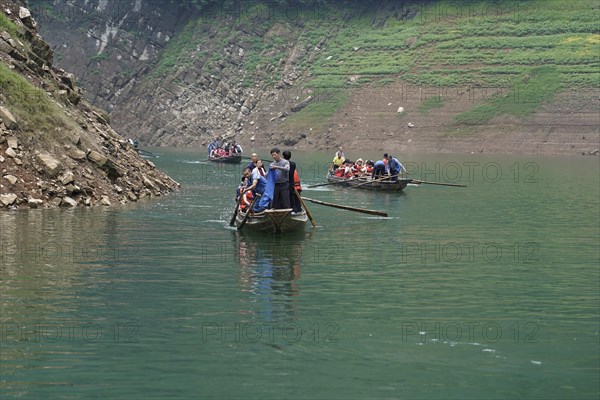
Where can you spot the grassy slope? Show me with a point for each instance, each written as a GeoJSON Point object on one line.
{"type": "Point", "coordinates": [525, 52]}
{"type": "Point", "coordinates": [529, 49]}
{"type": "Point", "coordinates": [30, 104]}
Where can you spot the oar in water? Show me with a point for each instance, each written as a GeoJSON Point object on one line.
{"type": "Point", "coordinates": [324, 184]}
{"type": "Point", "coordinates": [375, 180]}
{"type": "Point", "coordinates": [312, 221]}
{"type": "Point", "coordinates": [361, 210]}
{"type": "Point", "coordinates": [248, 213]}
{"type": "Point", "coordinates": [237, 208]}
{"type": "Point", "coordinates": [435, 183]}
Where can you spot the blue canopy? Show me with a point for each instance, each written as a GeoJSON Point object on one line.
{"type": "Point", "coordinates": [265, 201]}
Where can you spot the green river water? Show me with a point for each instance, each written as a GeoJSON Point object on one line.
{"type": "Point", "coordinates": [484, 292]}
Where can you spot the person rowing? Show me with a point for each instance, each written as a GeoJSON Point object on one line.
{"type": "Point", "coordinates": [258, 184]}
{"type": "Point", "coordinates": [394, 167]}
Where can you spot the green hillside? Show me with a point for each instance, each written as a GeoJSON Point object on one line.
{"type": "Point", "coordinates": [511, 55]}
{"type": "Point", "coordinates": [522, 53]}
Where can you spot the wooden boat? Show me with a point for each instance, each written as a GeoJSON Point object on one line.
{"type": "Point", "coordinates": [233, 159]}
{"type": "Point", "coordinates": [367, 183]}
{"type": "Point", "coordinates": [144, 153]}
{"type": "Point", "coordinates": [274, 221]}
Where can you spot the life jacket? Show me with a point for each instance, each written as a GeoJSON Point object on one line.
{"type": "Point", "coordinates": [369, 169]}
{"type": "Point", "coordinates": [357, 169]}
{"type": "Point", "coordinates": [246, 200]}
{"type": "Point", "coordinates": [297, 181]}
{"type": "Point", "coordinates": [339, 172]}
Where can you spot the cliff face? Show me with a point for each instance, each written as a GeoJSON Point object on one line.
{"type": "Point", "coordinates": [467, 77]}
{"type": "Point", "coordinates": [108, 44]}
{"type": "Point", "coordinates": [56, 149]}
{"type": "Point", "coordinates": [199, 86]}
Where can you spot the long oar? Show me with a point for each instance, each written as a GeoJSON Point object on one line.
{"type": "Point", "coordinates": [361, 210]}
{"type": "Point", "coordinates": [237, 208]}
{"type": "Point", "coordinates": [324, 184]}
{"type": "Point", "coordinates": [248, 212]}
{"type": "Point", "coordinates": [436, 183]}
{"type": "Point", "coordinates": [312, 221]}
{"type": "Point", "coordinates": [375, 180]}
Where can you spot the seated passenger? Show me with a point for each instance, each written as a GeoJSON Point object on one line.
{"type": "Point", "coordinates": [358, 168]}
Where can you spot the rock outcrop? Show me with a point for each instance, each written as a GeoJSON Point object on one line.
{"type": "Point", "coordinates": [55, 148]}
{"type": "Point", "coordinates": [211, 89]}
{"type": "Point", "coordinates": [172, 74]}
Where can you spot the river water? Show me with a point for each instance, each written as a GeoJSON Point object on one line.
{"type": "Point", "coordinates": [484, 292]}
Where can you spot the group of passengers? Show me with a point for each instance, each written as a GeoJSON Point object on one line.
{"type": "Point", "coordinates": [218, 150]}
{"type": "Point", "coordinates": [388, 166]}
{"type": "Point", "coordinates": [287, 182]}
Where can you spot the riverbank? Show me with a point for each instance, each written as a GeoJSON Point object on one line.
{"type": "Point", "coordinates": [55, 148]}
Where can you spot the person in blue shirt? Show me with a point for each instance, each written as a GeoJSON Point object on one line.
{"type": "Point", "coordinates": [378, 169]}
{"type": "Point", "coordinates": [394, 167]}
{"type": "Point", "coordinates": [258, 183]}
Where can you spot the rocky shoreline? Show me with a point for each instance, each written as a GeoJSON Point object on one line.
{"type": "Point", "coordinates": [79, 176]}
{"type": "Point", "coordinates": [83, 162]}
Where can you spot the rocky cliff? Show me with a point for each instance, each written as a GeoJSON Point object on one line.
{"type": "Point", "coordinates": [467, 77]}
{"type": "Point", "coordinates": [173, 75]}
{"type": "Point", "coordinates": [55, 148]}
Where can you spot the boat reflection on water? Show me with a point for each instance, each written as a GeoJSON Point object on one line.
{"type": "Point", "coordinates": [270, 267]}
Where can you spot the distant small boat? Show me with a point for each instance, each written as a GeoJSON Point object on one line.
{"type": "Point", "coordinates": [144, 153]}
{"type": "Point", "coordinates": [367, 183]}
{"type": "Point", "coordinates": [233, 159]}
{"type": "Point", "coordinates": [274, 221]}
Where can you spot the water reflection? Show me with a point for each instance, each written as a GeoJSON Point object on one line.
{"type": "Point", "coordinates": [44, 258]}
{"type": "Point", "coordinates": [269, 270]}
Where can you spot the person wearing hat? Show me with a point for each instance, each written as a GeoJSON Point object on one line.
{"type": "Point", "coordinates": [358, 168]}
{"type": "Point", "coordinates": [338, 160]}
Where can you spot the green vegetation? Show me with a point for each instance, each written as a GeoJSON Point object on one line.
{"type": "Point", "coordinates": [497, 46]}
{"type": "Point", "coordinates": [100, 57]}
{"type": "Point", "coordinates": [31, 105]}
{"type": "Point", "coordinates": [317, 114]}
{"type": "Point", "coordinates": [9, 26]}
{"type": "Point", "coordinates": [431, 103]}
{"type": "Point", "coordinates": [536, 88]}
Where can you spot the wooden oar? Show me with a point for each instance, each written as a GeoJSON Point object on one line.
{"type": "Point", "coordinates": [361, 210]}
{"type": "Point", "coordinates": [325, 184]}
{"type": "Point", "coordinates": [237, 208]}
{"type": "Point", "coordinates": [435, 183]}
{"type": "Point", "coordinates": [248, 213]}
{"type": "Point", "coordinates": [375, 180]}
{"type": "Point", "coordinates": [312, 221]}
